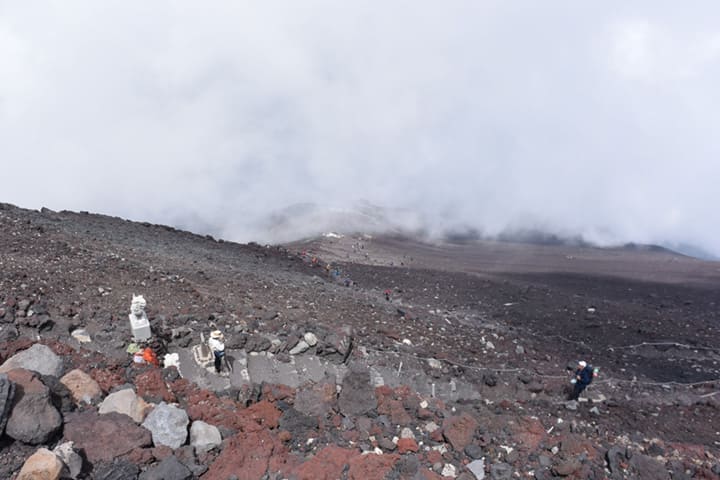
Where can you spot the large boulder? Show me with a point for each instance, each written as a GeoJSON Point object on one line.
{"type": "Point", "coordinates": [41, 465]}
{"type": "Point", "coordinates": [204, 437]}
{"type": "Point", "coordinates": [7, 393]}
{"type": "Point", "coordinates": [82, 386]}
{"type": "Point", "coordinates": [357, 396]}
{"type": "Point", "coordinates": [168, 425]}
{"type": "Point", "coordinates": [169, 469]}
{"type": "Point", "coordinates": [38, 358]}
{"type": "Point", "coordinates": [125, 402]}
{"type": "Point", "coordinates": [104, 437]}
{"type": "Point", "coordinates": [33, 418]}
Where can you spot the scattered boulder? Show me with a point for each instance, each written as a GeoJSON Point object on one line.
{"type": "Point", "coordinates": [126, 402]}
{"type": "Point", "coordinates": [7, 393]}
{"type": "Point", "coordinates": [104, 437]}
{"type": "Point", "coordinates": [357, 396]}
{"type": "Point", "coordinates": [38, 358]}
{"type": "Point", "coordinates": [41, 465]}
{"type": "Point", "coordinates": [33, 418]}
{"type": "Point", "coordinates": [72, 461]}
{"type": "Point", "coordinates": [168, 425]}
{"type": "Point", "coordinates": [204, 437]}
{"type": "Point", "coordinates": [82, 387]}
{"type": "Point", "coordinates": [169, 469]}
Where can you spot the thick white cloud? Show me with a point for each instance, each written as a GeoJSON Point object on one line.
{"type": "Point", "coordinates": [582, 119]}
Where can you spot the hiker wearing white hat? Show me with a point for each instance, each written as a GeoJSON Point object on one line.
{"type": "Point", "coordinates": [583, 378]}
{"type": "Point", "coordinates": [217, 346]}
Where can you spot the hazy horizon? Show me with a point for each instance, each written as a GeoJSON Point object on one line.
{"type": "Point", "coordinates": [572, 119]}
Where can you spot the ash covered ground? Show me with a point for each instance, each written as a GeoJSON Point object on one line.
{"type": "Point", "coordinates": [427, 360]}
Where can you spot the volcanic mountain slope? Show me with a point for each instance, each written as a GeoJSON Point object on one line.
{"type": "Point", "coordinates": [480, 334]}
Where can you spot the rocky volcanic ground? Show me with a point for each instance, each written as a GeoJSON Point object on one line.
{"type": "Point", "coordinates": [458, 371]}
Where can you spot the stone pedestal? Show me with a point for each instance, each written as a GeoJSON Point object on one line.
{"type": "Point", "coordinates": [140, 327]}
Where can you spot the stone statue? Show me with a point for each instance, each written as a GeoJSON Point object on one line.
{"type": "Point", "coordinates": [139, 322]}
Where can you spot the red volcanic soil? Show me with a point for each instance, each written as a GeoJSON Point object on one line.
{"type": "Point", "coordinates": [498, 321]}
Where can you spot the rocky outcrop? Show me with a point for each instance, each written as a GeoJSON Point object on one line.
{"type": "Point", "coordinates": [168, 425]}
{"type": "Point", "coordinates": [38, 358]}
{"type": "Point", "coordinates": [33, 418]}
{"type": "Point", "coordinates": [117, 470]}
{"type": "Point", "coordinates": [104, 437]}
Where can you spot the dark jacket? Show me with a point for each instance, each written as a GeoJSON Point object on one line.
{"type": "Point", "coordinates": [585, 374]}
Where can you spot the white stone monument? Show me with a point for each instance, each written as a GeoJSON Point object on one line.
{"type": "Point", "coordinates": [139, 322]}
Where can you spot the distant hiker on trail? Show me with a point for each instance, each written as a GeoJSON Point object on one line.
{"type": "Point", "coordinates": [217, 346]}
{"type": "Point", "coordinates": [387, 293]}
{"type": "Point", "coordinates": [583, 377]}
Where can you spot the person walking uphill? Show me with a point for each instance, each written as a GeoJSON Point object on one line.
{"type": "Point", "coordinates": [583, 377]}
{"type": "Point", "coordinates": [217, 346]}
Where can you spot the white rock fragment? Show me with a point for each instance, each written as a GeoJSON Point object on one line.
{"type": "Point", "coordinates": [310, 339]}
{"type": "Point", "coordinates": [449, 470]}
{"type": "Point", "coordinates": [434, 363]}
{"type": "Point", "coordinates": [81, 335]}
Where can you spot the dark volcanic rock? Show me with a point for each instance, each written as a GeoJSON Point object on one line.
{"type": "Point", "coordinates": [301, 426]}
{"type": "Point", "coordinates": [7, 393]}
{"type": "Point", "coordinates": [357, 396]}
{"type": "Point", "coordinates": [257, 343]}
{"type": "Point", "coordinates": [104, 437]}
{"type": "Point", "coordinates": [317, 400]}
{"type": "Point", "coordinates": [33, 418]}
{"type": "Point", "coordinates": [168, 469]}
{"type": "Point", "coordinates": [118, 470]}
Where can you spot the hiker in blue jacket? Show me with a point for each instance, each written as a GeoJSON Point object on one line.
{"type": "Point", "coordinates": [583, 377]}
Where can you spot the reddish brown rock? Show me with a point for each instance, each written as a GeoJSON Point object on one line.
{"type": "Point", "coordinates": [459, 430]}
{"type": "Point", "coordinates": [529, 433]}
{"type": "Point", "coordinates": [574, 445]}
{"type": "Point", "coordinates": [246, 455]}
{"type": "Point", "coordinates": [274, 392]}
{"type": "Point", "coordinates": [265, 413]}
{"type": "Point", "coordinates": [364, 467]}
{"type": "Point", "coordinates": [104, 437]}
{"type": "Point", "coordinates": [106, 379]}
{"type": "Point", "coordinates": [327, 464]}
{"type": "Point", "coordinates": [151, 386]}
{"type": "Point", "coordinates": [406, 445]}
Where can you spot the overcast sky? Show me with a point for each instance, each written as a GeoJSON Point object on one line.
{"type": "Point", "coordinates": [592, 118]}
